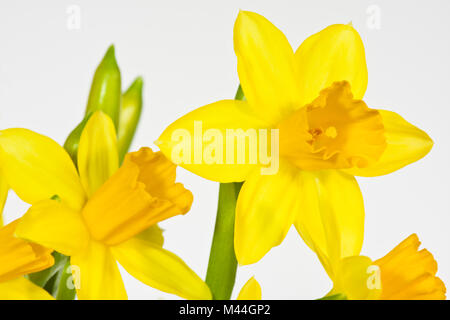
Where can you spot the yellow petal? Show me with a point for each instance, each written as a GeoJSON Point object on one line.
{"type": "Point", "coordinates": [96, 275]}
{"type": "Point", "coordinates": [37, 168]}
{"type": "Point", "coordinates": [55, 226]}
{"type": "Point", "coordinates": [265, 210]}
{"type": "Point", "coordinates": [160, 269]}
{"type": "Point", "coordinates": [250, 291]}
{"type": "Point", "coordinates": [98, 157]}
{"type": "Point", "coordinates": [266, 66]}
{"type": "Point", "coordinates": [331, 216]}
{"type": "Point", "coordinates": [19, 257]}
{"type": "Point", "coordinates": [4, 188]}
{"type": "Point", "coordinates": [405, 145]}
{"type": "Point", "coordinates": [141, 193]}
{"type": "Point", "coordinates": [183, 142]}
{"type": "Point", "coordinates": [22, 289]}
{"type": "Point", "coordinates": [356, 280]}
{"type": "Point", "coordinates": [334, 54]}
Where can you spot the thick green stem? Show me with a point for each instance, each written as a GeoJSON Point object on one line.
{"type": "Point", "coordinates": [222, 265]}
{"type": "Point", "coordinates": [222, 261]}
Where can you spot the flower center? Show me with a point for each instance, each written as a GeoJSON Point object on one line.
{"type": "Point", "coordinates": [334, 131]}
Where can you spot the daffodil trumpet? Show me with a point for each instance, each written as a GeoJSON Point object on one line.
{"type": "Point", "coordinates": [103, 214]}
{"type": "Point", "coordinates": [405, 273]}
{"type": "Point", "coordinates": [327, 136]}
{"type": "Point", "coordinates": [18, 258]}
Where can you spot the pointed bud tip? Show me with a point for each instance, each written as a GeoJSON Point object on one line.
{"type": "Point", "coordinates": [136, 86]}
{"type": "Point", "coordinates": [138, 82]}
{"type": "Point", "coordinates": [111, 51]}
{"type": "Point", "coordinates": [110, 57]}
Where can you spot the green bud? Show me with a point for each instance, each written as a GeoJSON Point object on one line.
{"type": "Point", "coordinates": [105, 91]}
{"type": "Point", "coordinates": [73, 140]}
{"type": "Point", "coordinates": [130, 112]}
{"type": "Point", "coordinates": [105, 95]}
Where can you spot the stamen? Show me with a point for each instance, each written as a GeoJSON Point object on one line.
{"type": "Point", "coordinates": [331, 132]}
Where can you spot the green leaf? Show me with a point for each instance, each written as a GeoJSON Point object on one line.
{"type": "Point", "coordinates": [63, 288]}
{"type": "Point", "coordinates": [41, 278]}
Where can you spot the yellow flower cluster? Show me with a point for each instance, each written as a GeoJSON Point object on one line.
{"type": "Point", "coordinates": [100, 211]}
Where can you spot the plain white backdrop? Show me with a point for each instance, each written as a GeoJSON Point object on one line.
{"type": "Point", "coordinates": [184, 51]}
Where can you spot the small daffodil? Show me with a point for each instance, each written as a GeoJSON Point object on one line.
{"type": "Point", "coordinates": [405, 273]}
{"type": "Point", "coordinates": [100, 214]}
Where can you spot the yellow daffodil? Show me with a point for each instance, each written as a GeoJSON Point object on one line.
{"type": "Point", "coordinates": [250, 291]}
{"type": "Point", "coordinates": [405, 273]}
{"type": "Point", "coordinates": [17, 258]}
{"type": "Point", "coordinates": [102, 213]}
{"type": "Point", "coordinates": [327, 134]}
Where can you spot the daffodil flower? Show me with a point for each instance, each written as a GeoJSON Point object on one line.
{"type": "Point", "coordinates": [17, 258]}
{"type": "Point", "coordinates": [327, 134]}
{"type": "Point", "coordinates": [405, 273]}
{"type": "Point", "coordinates": [102, 213]}
{"type": "Point", "coordinates": [250, 291]}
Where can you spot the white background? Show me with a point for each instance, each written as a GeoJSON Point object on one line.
{"type": "Point", "coordinates": [184, 51]}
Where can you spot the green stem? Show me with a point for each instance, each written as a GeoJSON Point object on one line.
{"type": "Point", "coordinates": [222, 265]}
{"type": "Point", "coordinates": [222, 261]}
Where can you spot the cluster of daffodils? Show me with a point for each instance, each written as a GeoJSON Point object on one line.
{"type": "Point", "coordinates": [93, 205]}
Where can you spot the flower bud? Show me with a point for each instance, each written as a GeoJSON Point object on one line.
{"type": "Point", "coordinates": [130, 112]}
